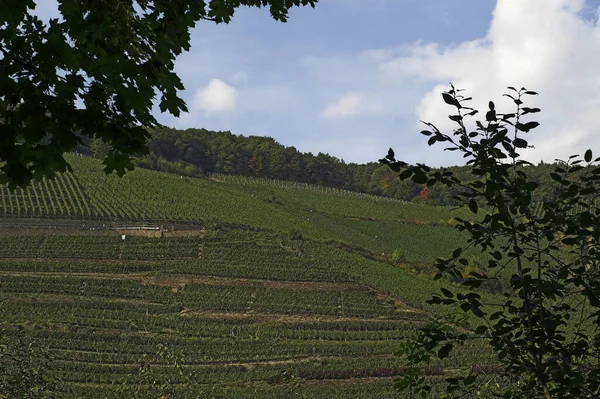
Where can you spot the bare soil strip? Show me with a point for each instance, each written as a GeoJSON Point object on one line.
{"type": "Point", "coordinates": [276, 317]}
{"type": "Point", "coordinates": [249, 365]}
{"type": "Point", "coordinates": [177, 281]}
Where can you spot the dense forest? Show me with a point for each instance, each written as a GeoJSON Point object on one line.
{"type": "Point", "coordinates": [201, 152]}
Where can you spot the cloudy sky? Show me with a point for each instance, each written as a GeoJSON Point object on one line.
{"type": "Point", "coordinates": [354, 77]}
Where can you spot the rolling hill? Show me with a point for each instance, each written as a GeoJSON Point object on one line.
{"type": "Point", "coordinates": [157, 284]}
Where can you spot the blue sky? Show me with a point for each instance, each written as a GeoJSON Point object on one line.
{"type": "Point", "coordinates": [354, 77]}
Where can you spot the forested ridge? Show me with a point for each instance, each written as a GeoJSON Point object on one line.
{"type": "Point", "coordinates": [200, 152]}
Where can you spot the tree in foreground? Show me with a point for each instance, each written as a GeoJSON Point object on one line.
{"type": "Point", "coordinates": [544, 330]}
{"type": "Point", "coordinates": [95, 74]}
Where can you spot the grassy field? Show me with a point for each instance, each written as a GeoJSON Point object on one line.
{"type": "Point", "coordinates": [276, 290]}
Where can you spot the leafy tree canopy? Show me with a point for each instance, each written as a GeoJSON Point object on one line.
{"type": "Point", "coordinates": [545, 328]}
{"type": "Point", "coordinates": [94, 73]}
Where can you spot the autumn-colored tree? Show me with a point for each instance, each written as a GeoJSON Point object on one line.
{"type": "Point", "coordinates": [425, 194]}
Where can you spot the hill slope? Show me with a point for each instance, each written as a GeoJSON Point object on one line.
{"type": "Point", "coordinates": [378, 224]}
{"type": "Point", "coordinates": [279, 288]}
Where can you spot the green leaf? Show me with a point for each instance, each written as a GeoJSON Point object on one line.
{"type": "Point", "coordinates": [588, 156]}
{"type": "Point", "coordinates": [473, 206]}
{"type": "Point", "coordinates": [527, 110]}
{"type": "Point", "coordinates": [447, 293]}
{"type": "Point", "coordinates": [444, 351]}
{"type": "Point", "coordinates": [531, 186]}
{"type": "Point", "coordinates": [496, 315]}
{"type": "Point", "coordinates": [419, 177]}
{"type": "Point", "coordinates": [526, 127]}
{"type": "Point", "coordinates": [390, 154]}
{"type": "Point", "coordinates": [556, 177]}
{"type": "Point", "coordinates": [519, 143]}
{"type": "Point", "coordinates": [490, 116]}
{"type": "Point", "coordinates": [477, 310]}
{"type": "Point", "coordinates": [407, 173]}
{"type": "Point", "coordinates": [586, 219]}
{"type": "Point", "coordinates": [570, 241]}
{"type": "Point", "coordinates": [470, 380]}
{"type": "Point", "coordinates": [481, 330]}
{"type": "Point", "coordinates": [448, 99]}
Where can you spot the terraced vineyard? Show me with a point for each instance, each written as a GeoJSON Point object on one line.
{"type": "Point", "coordinates": [233, 306]}
{"type": "Point", "coordinates": [377, 224]}
{"type": "Point", "coordinates": [299, 296]}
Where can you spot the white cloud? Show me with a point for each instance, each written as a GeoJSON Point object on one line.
{"type": "Point", "coordinates": [216, 97]}
{"type": "Point", "coordinates": [345, 106]}
{"type": "Point", "coordinates": [240, 77]}
{"type": "Point", "coordinates": [352, 104]}
{"type": "Point", "coordinates": [544, 45]}
{"type": "Point", "coordinates": [329, 98]}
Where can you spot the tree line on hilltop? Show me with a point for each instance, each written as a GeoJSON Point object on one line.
{"type": "Point", "coordinates": [201, 152]}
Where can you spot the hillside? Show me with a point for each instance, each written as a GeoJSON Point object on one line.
{"type": "Point", "coordinates": [200, 152]}
{"type": "Point", "coordinates": [254, 288]}
{"type": "Point", "coordinates": [316, 212]}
